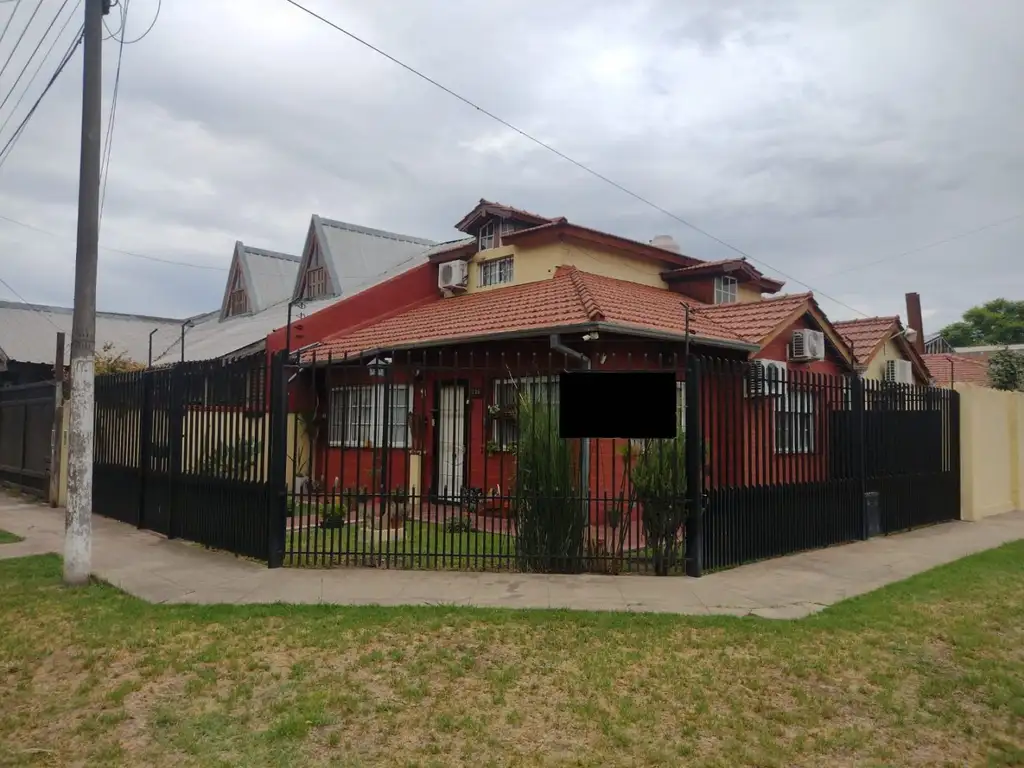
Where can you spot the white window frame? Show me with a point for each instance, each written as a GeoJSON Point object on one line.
{"type": "Point", "coordinates": [505, 433]}
{"type": "Point", "coordinates": [355, 419]}
{"type": "Point", "coordinates": [496, 272]}
{"type": "Point", "coordinates": [488, 236]}
{"type": "Point", "coordinates": [795, 416]}
{"type": "Point", "coordinates": [726, 290]}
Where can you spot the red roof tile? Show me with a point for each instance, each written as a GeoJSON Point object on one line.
{"type": "Point", "coordinates": [756, 319]}
{"type": "Point", "coordinates": [865, 335]}
{"type": "Point", "coordinates": [946, 369]}
{"type": "Point", "coordinates": [570, 298]}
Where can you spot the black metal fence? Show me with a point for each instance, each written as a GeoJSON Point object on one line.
{"type": "Point", "coordinates": [444, 460]}
{"type": "Point", "coordinates": [185, 451]}
{"type": "Point", "coordinates": [26, 435]}
{"type": "Point", "coordinates": [797, 461]}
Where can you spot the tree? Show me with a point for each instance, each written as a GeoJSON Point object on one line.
{"type": "Point", "coordinates": [999, 321]}
{"type": "Point", "coordinates": [109, 361]}
{"type": "Point", "coordinates": [1006, 370]}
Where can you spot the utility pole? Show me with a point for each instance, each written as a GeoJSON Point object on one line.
{"type": "Point", "coordinates": [78, 518]}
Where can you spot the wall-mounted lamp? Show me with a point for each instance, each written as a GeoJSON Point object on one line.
{"type": "Point", "coordinates": [592, 336]}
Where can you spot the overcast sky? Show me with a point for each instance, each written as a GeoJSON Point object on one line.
{"type": "Point", "coordinates": [816, 136]}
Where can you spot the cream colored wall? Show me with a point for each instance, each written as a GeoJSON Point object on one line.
{"type": "Point", "coordinates": [746, 293]}
{"type": "Point", "coordinates": [991, 455]}
{"type": "Point", "coordinates": [539, 263]}
{"type": "Point", "coordinates": [876, 367]}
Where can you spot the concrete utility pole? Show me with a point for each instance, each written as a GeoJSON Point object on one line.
{"type": "Point", "coordinates": [78, 519]}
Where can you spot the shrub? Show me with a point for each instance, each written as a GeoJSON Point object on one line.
{"type": "Point", "coordinates": [659, 484]}
{"type": "Point", "coordinates": [458, 525]}
{"type": "Point", "coordinates": [231, 459]}
{"type": "Point", "coordinates": [550, 515]}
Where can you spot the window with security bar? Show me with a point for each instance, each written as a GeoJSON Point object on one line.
{"type": "Point", "coordinates": [540, 391]}
{"type": "Point", "coordinates": [366, 416]}
{"type": "Point", "coordinates": [794, 422]}
{"type": "Point", "coordinates": [496, 272]}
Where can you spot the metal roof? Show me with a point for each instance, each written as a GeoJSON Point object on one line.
{"type": "Point", "coordinates": [28, 332]}
{"type": "Point", "coordinates": [269, 277]}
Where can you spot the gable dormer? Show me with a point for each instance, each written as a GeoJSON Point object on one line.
{"type": "Point", "coordinates": [488, 222]}
{"type": "Point", "coordinates": [721, 282]}
{"type": "Point", "coordinates": [236, 301]}
{"type": "Point", "coordinates": [315, 282]}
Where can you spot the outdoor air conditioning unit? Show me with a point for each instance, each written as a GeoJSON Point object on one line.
{"type": "Point", "coordinates": [806, 346]}
{"type": "Point", "coordinates": [766, 378]}
{"type": "Point", "coordinates": [453, 276]}
{"type": "Point", "coordinates": [899, 372]}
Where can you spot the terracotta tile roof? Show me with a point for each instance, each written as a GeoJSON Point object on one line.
{"type": "Point", "coordinates": [755, 320]}
{"type": "Point", "coordinates": [568, 299]}
{"type": "Point", "coordinates": [947, 368]}
{"type": "Point", "coordinates": [865, 335]}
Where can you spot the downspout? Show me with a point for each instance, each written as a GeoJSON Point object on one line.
{"type": "Point", "coordinates": [558, 346]}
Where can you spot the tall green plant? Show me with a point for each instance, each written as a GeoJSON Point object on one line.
{"type": "Point", "coordinates": [659, 484]}
{"type": "Point", "coordinates": [550, 515]}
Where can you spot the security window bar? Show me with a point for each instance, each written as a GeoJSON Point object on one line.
{"type": "Point", "coordinates": [496, 272]}
{"type": "Point", "coordinates": [794, 422]}
{"type": "Point", "coordinates": [363, 416]}
{"type": "Point", "coordinates": [508, 394]}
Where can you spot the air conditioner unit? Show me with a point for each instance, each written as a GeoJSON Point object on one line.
{"type": "Point", "coordinates": [453, 276]}
{"type": "Point", "coordinates": [806, 346]}
{"type": "Point", "coordinates": [766, 378]}
{"type": "Point", "coordinates": [899, 372]}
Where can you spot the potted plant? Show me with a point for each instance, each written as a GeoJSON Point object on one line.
{"type": "Point", "coordinates": [332, 515]}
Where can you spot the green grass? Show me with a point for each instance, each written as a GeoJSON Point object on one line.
{"type": "Point", "coordinates": [8, 538]}
{"type": "Point", "coordinates": [422, 545]}
{"type": "Point", "coordinates": [925, 672]}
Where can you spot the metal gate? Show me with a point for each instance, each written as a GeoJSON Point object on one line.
{"type": "Point", "coordinates": [26, 435]}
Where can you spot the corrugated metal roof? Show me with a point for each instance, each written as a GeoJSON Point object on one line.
{"type": "Point", "coordinates": [270, 276]}
{"type": "Point", "coordinates": [28, 332]}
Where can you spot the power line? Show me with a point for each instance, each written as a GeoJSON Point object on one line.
{"type": "Point", "coordinates": [9, 146]}
{"type": "Point", "coordinates": [35, 74]}
{"type": "Point", "coordinates": [9, 20]}
{"type": "Point", "coordinates": [20, 37]}
{"type": "Point", "coordinates": [121, 31]}
{"type": "Point", "coordinates": [31, 306]}
{"type": "Point", "coordinates": [39, 45]}
{"type": "Point", "coordinates": [567, 158]}
{"type": "Point", "coordinates": [117, 250]}
{"type": "Point", "coordinates": [927, 246]}
{"type": "Point", "coordinates": [108, 142]}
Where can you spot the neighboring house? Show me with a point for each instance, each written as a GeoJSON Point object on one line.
{"type": "Point", "coordinates": [949, 369]}
{"type": "Point", "coordinates": [935, 344]}
{"type": "Point", "coordinates": [494, 305]}
{"type": "Point", "coordinates": [338, 260]}
{"type": "Point", "coordinates": [28, 338]}
{"type": "Point", "coordinates": [985, 352]}
{"type": "Point", "coordinates": [882, 350]}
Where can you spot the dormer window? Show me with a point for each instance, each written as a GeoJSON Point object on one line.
{"type": "Point", "coordinates": [726, 290]}
{"type": "Point", "coordinates": [238, 300]}
{"type": "Point", "coordinates": [487, 235]}
{"type": "Point", "coordinates": [316, 283]}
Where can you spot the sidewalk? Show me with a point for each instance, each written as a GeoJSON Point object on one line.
{"type": "Point", "coordinates": [150, 567]}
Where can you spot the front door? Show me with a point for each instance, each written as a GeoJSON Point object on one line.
{"type": "Point", "coordinates": [451, 441]}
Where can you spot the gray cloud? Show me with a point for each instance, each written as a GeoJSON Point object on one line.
{"type": "Point", "coordinates": [812, 135]}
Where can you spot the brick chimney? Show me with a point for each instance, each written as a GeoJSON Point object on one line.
{"type": "Point", "coordinates": [915, 321]}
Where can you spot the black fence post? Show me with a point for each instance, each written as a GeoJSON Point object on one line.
{"type": "Point", "coordinates": [694, 471]}
{"type": "Point", "coordinates": [145, 442]}
{"type": "Point", "coordinates": [869, 503]}
{"type": "Point", "coordinates": [175, 439]}
{"type": "Point", "coordinates": [277, 497]}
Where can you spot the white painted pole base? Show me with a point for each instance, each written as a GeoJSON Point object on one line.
{"type": "Point", "coordinates": [78, 518]}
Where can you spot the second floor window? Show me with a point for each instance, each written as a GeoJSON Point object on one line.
{"type": "Point", "coordinates": [496, 272]}
{"type": "Point", "coordinates": [726, 290]}
{"type": "Point", "coordinates": [488, 238]}
{"type": "Point", "coordinates": [316, 283]}
{"type": "Point", "coordinates": [238, 303]}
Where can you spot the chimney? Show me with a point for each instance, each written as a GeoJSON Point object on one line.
{"type": "Point", "coordinates": [666, 242]}
{"type": "Point", "coordinates": [915, 321]}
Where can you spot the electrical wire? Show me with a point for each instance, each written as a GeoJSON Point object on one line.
{"type": "Point", "coordinates": [30, 306]}
{"type": "Point", "coordinates": [567, 158]}
{"type": "Point", "coordinates": [12, 142]}
{"type": "Point", "coordinates": [159, 7]}
{"type": "Point", "coordinates": [117, 250]}
{"type": "Point", "coordinates": [35, 74]}
{"type": "Point", "coordinates": [9, 20]}
{"type": "Point", "coordinates": [927, 246]}
{"type": "Point", "coordinates": [20, 37]}
{"type": "Point", "coordinates": [109, 140]}
{"type": "Point", "coordinates": [39, 45]}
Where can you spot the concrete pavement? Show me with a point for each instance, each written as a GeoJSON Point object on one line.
{"type": "Point", "coordinates": [148, 566]}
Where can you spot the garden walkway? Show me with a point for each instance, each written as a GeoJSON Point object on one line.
{"type": "Point", "coordinates": [161, 571]}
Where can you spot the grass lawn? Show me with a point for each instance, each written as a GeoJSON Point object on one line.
{"type": "Point", "coordinates": [926, 672]}
{"type": "Point", "coordinates": [422, 545]}
{"type": "Point", "coordinates": [8, 538]}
